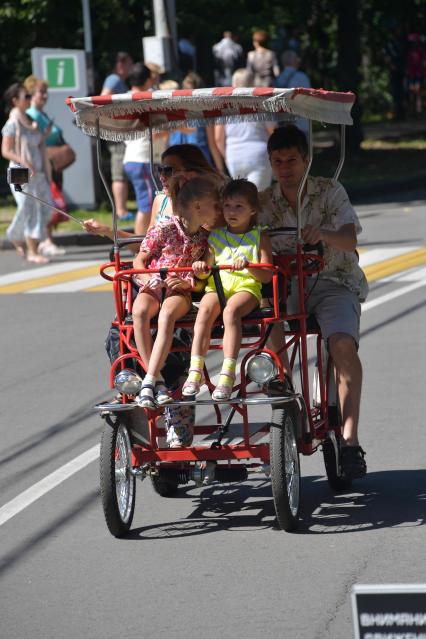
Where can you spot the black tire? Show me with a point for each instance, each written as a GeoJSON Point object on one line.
{"type": "Point", "coordinates": [336, 481]}
{"type": "Point", "coordinates": [165, 486]}
{"type": "Point", "coordinates": [285, 469]}
{"type": "Point", "coordinates": [117, 484]}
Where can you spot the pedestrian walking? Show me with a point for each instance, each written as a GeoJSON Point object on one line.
{"type": "Point", "coordinates": [262, 62]}
{"type": "Point", "coordinates": [243, 145]}
{"type": "Point", "coordinates": [227, 57]}
{"type": "Point", "coordinates": [116, 83]}
{"type": "Point", "coordinates": [291, 77]}
{"type": "Point", "coordinates": [23, 144]}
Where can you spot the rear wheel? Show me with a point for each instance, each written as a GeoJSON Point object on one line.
{"type": "Point", "coordinates": [117, 482]}
{"type": "Point", "coordinates": [333, 467]}
{"type": "Point", "coordinates": [165, 483]}
{"type": "Point", "coordinates": [285, 469]}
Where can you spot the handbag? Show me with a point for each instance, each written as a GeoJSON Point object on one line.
{"type": "Point", "coordinates": [61, 156]}
{"type": "Point", "coordinates": [59, 202]}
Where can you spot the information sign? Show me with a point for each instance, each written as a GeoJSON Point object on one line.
{"type": "Point", "coordinates": [394, 611]}
{"type": "Point", "coordinates": [61, 72]}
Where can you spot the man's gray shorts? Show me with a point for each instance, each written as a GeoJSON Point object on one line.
{"type": "Point", "coordinates": [335, 307]}
{"type": "Point", "coordinates": [117, 155]}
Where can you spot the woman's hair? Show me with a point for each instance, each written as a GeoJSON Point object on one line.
{"type": "Point", "coordinates": [11, 94]}
{"type": "Point", "coordinates": [242, 188]}
{"type": "Point", "coordinates": [195, 189]}
{"type": "Point", "coordinates": [192, 81]}
{"type": "Point", "coordinates": [32, 83]}
{"type": "Point", "coordinates": [192, 159]}
{"type": "Point", "coordinates": [261, 37]}
{"type": "Point", "coordinates": [242, 78]}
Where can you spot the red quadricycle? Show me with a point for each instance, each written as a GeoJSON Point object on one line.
{"type": "Point", "coordinates": [266, 424]}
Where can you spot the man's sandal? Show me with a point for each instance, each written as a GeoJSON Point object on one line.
{"type": "Point", "coordinates": [353, 462]}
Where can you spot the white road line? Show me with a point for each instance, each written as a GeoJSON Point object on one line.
{"type": "Point", "coordinates": [373, 256]}
{"type": "Point", "coordinates": [412, 275]}
{"type": "Point", "coordinates": [46, 484]}
{"type": "Point", "coordinates": [391, 296]}
{"type": "Point", "coordinates": [29, 496]}
{"type": "Point", "coordinates": [69, 287]}
{"type": "Point", "coordinates": [45, 271]}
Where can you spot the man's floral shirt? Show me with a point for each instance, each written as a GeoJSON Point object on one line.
{"type": "Point", "coordinates": [325, 205]}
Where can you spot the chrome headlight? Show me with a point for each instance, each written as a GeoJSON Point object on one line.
{"type": "Point", "coordinates": [128, 382]}
{"type": "Point", "coordinates": [261, 368]}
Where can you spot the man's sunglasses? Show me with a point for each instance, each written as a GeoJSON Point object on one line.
{"type": "Point", "coordinates": [167, 171]}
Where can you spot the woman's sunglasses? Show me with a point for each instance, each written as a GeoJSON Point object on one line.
{"type": "Point", "coordinates": [27, 96]}
{"type": "Point", "coordinates": [166, 171]}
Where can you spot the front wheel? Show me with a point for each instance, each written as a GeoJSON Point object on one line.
{"type": "Point", "coordinates": [285, 469]}
{"type": "Point", "coordinates": [117, 482]}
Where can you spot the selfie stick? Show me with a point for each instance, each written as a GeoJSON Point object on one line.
{"type": "Point", "coordinates": [18, 188]}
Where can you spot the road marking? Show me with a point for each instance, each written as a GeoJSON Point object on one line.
{"type": "Point", "coordinates": [28, 285]}
{"type": "Point", "coordinates": [70, 287]}
{"type": "Point", "coordinates": [395, 265]}
{"type": "Point", "coordinates": [46, 484]}
{"type": "Point", "coordinates": [412, 275]}
{"type": "Point", "coordinates": [378, 301]}
{"type": "Point", "coordinates": [375, 255]}
{"type": "Point", "coordinates": [43, 271]}
{"type": "Point", "coordinates": [71, 277]}
{"type": "Point", "coordinates": [29, 496]}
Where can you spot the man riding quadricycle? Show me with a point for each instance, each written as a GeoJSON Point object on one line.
{"type": "Point", "coordinates": [276, 278]}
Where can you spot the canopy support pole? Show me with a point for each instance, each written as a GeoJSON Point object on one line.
{"type": "Point", "coordinates": [151, 156]}
{"type": "Point", "coordinates": [303, 182]}
{"type": "Point", "coordinates": [342, 151]}
{"type": "Point", "coordinates": [107, 189]}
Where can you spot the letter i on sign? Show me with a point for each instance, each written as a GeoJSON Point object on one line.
{"type": "Point", "coordinates": [61, 73]}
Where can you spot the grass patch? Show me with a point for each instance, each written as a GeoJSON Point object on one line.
{"type": "Point", "coordinates": [374, 165]}
{"type": "Point", "coordinates": [8, 208]}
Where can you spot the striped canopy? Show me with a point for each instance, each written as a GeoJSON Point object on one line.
{"type": "Point", "coordinates": [129, 115]}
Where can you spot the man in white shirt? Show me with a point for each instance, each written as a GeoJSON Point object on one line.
{"type": "Point", "coordinates": [228, 56]}
{"type": "Point", "coordinates": [136, 161]}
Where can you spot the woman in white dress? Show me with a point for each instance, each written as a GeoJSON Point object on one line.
{"type": "Point", "coordinates": [243, 144]}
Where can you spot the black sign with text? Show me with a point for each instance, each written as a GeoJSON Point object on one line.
{"type": "Point", "coordinates": [389, 612]}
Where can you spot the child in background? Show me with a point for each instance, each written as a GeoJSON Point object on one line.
{"type": "Point", "coordinates": [239, 243]}
{"type": "Point", "coordinates": [178, 242]}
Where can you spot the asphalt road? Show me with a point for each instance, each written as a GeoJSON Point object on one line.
{"type": "Point", "coordinates": [212, 561]}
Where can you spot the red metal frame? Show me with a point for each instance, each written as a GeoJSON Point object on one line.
{"type": "Point", "coordinates": [299, 265]}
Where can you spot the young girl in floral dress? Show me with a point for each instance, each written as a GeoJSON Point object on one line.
{"type": "Point", "coordinates": [181, 241]}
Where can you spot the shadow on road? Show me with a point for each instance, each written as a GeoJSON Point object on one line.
{"type": "Point", "coordinates": [387, 499]}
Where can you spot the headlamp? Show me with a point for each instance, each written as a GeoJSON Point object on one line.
{"type": "Point", "coordinates": [128, 382]}
{"type": "Point", "coordinates": [261, 368]}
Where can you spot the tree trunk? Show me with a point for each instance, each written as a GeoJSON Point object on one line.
{"type": "Point", "coordinates": [349, 63]}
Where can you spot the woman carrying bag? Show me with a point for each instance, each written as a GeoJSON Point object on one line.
{"type": "Point", "coordinates": [59, 153]}
{"type": "Point", "coordinates": [23, 144]}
